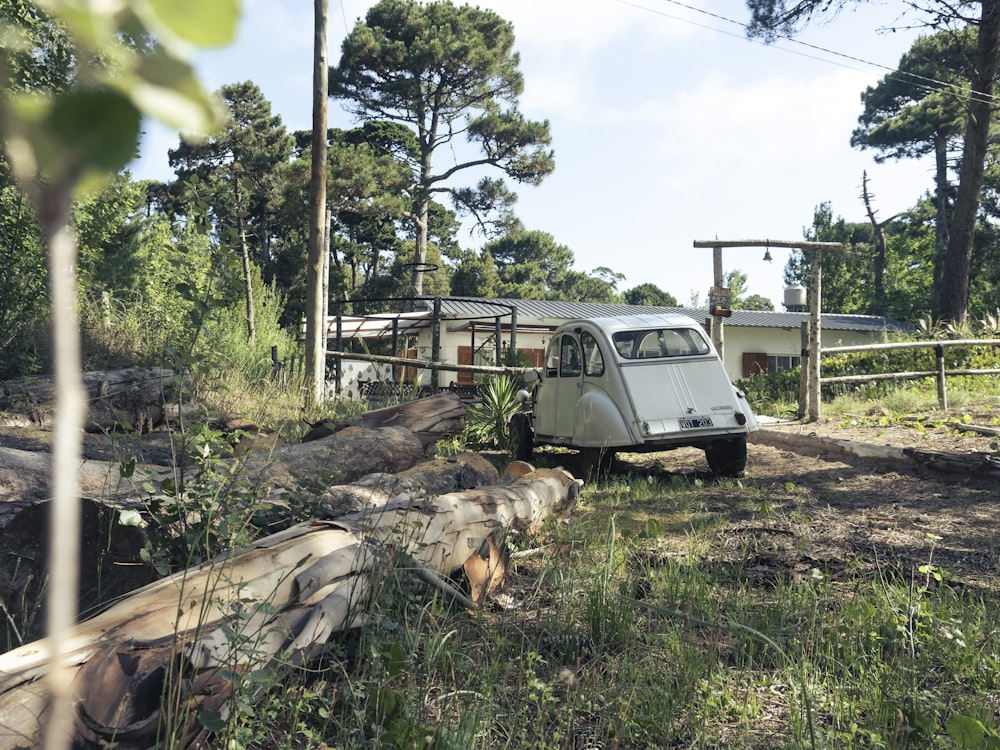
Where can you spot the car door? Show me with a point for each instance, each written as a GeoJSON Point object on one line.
{"type": "Point", "coordinates": [560, 389]}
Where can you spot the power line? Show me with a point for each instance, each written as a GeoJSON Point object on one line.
{"type": "Point", "coordinates": [923, 82]}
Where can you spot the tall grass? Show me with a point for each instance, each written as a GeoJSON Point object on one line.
{"type": "Point", "coordinates": [622, 633]}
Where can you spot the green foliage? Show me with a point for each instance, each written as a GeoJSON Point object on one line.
{"type": "Point", "coordinates": [514, 358]}
{"type": "Point", "coordinates": [438, 69]}
{"type": "Point", "coordinates": [194, 519]}
{"type": "Point", "coordinates": [487, 422]}
{"type": "Point", "coordinates": [79, 131]}
{"type": "Point", "coordinates": [649, 294]}
{"type": "Point", "coordinates": [531, 265]}
{"type": "Point", "coordinates": [903, 118]}
{"type": "Point", "coordinates": [849, 276]}
{"type": "Point", "coordinates": [225, 348]}
{"type": "Point", "coordinates": [23, 286]}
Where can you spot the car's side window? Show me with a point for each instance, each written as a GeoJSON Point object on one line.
{"type": "Point", "coordinates": [569, 358]}
{"type": "Point", "coordinates": [593, 359]}
{"type": "Point", "coordinates": [552, 358]}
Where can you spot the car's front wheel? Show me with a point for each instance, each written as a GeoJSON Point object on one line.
{"type": "Point", "coordinates": [521, 440]}
{"type": "Point", "coordinates": [728, 458]}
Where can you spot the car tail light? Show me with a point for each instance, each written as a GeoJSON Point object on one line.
{"type": "Point", "coordinates": [741, 418]}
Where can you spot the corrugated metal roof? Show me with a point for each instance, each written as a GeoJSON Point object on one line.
{"type": "Point", "coordinates": [554, 312]}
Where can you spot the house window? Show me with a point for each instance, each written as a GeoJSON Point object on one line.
{"type": "Point", "coordinates": [781, 363]}
{"type": "Point", "coordinates": [755, 363]}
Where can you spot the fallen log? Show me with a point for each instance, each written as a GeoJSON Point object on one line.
{"type": "Point", "coordinates": [431, 419]}
{"type": "Point", "coordinates": [110, 564]}
{"type": "Point", "coordinates": [26, 476]}
{"type": "Point", "coordinates": [133, 396]}
{"type": "Point", "coordinates": [965, 464]}
{"type": "Point", "coordinates": [193, 637]}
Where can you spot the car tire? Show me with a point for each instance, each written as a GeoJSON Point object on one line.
{"type": "Point", "coordinates": [521, 440]}
{"type": "Point", "coordinates": [595, 462]}
{"type": "Point", "coordinates": [728, 458]}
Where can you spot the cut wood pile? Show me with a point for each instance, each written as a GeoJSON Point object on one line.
{"type": "Point", "coordinates": [190, 640]}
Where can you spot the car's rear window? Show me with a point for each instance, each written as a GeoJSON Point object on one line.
{"type": "Point", "coordinates": [660, 342]}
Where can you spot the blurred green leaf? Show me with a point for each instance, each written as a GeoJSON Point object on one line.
{"type": "Point", "coordinates": [965, 730]}
{"type": "Point", "coordinates": [212, 720]}
{"type": "Point", "coordinates": [131, 518]}
{"type": "Point", "coordinates": [206, 24]}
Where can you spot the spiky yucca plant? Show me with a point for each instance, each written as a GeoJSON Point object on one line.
{"type": "Point", "coordinates": [487, 422]}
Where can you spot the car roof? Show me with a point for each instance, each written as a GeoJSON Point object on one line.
{"type": "Point", "coordinates": [612, 325]}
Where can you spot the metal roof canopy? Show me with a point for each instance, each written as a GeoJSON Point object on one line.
{"type": "Point", "coordinates": [809, 389]}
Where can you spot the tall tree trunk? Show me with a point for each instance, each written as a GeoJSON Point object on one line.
{"type": "Point", "coordinates": [247, 282]}
{"type": "Point", "coordinates": [315, 307]}
{"type": "Point", "coordinates": [244, 252]}
{"type": "Point", "coordinates": [420, 254]}
{"type": "Point", "coordinates": [955, 279]}
{"type": "Point", "coordinates": [878, 288]}
{"type": "Point", "coordinates": [422, 204]}
{"type": "Point", "coordinates": [941, 222]}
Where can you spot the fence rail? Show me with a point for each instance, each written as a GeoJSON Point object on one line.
{"type": "Point", "coordinates": [812, 379]}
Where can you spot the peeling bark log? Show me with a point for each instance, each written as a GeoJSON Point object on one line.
{"type": "Point", "coordinates": [283, 598]}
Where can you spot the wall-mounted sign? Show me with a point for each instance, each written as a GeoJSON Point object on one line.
{"type": "Point", "coordinates": [719, 301]}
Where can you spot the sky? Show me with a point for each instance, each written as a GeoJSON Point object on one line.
{"type": "Point", "coordinates": [668, 125]}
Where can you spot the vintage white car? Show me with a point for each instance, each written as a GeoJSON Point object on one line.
{"type": "Point", "coordinates": [635, 383]}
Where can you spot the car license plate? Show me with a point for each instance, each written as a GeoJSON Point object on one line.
{"type": "Point", "coordinates": [696, 423]}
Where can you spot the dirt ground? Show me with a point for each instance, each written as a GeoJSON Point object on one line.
{"type": "Point", "coordinates": [826, 507]}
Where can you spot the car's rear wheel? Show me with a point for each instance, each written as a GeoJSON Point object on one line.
{"type": "Point", "coordinates": [728, 458]}
{"type": "Point", "coordinates": [521, 441]}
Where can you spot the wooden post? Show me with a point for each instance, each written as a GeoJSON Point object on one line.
{"type": "Point", "coordinates": [941, 387]}
{"type": "Point", "coordinates": [811, 369]}
{"type": "Point", "coordinates": [513, 328]}
{"type": "Point", "coordinates": [804, 395]}
{"type": "Point", "coordinates": [436, 342]}
{"type": "Point", "coordinates": [472, 346]}
{"type": "Point", "coordinates": [498, 360]}
{"type": "Point", "coordinates": [815, 324]}
{"type": "Point", "coordinates": [718, 336]}
{"type": "Point", "coordinates": [394, 372]}
{"type": "Point", "coordinates": [338, 372]}
{"type": "Point", "coordinates": [317, 330]}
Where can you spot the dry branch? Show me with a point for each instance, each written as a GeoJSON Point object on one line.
{"type": "Point", "coordinates": [963, 427]}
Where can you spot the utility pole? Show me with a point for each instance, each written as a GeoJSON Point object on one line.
{"type": "Point", "coordinates": [315, 359]}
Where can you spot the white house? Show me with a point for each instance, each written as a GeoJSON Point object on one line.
{"type": "Point", "coordinates": [479, 331]}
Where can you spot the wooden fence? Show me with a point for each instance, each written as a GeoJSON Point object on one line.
{"type": "Point", "coordinates": [809, 396]}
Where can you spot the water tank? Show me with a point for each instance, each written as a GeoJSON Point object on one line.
{"type": "Point", "coordinates": [795, 299]}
